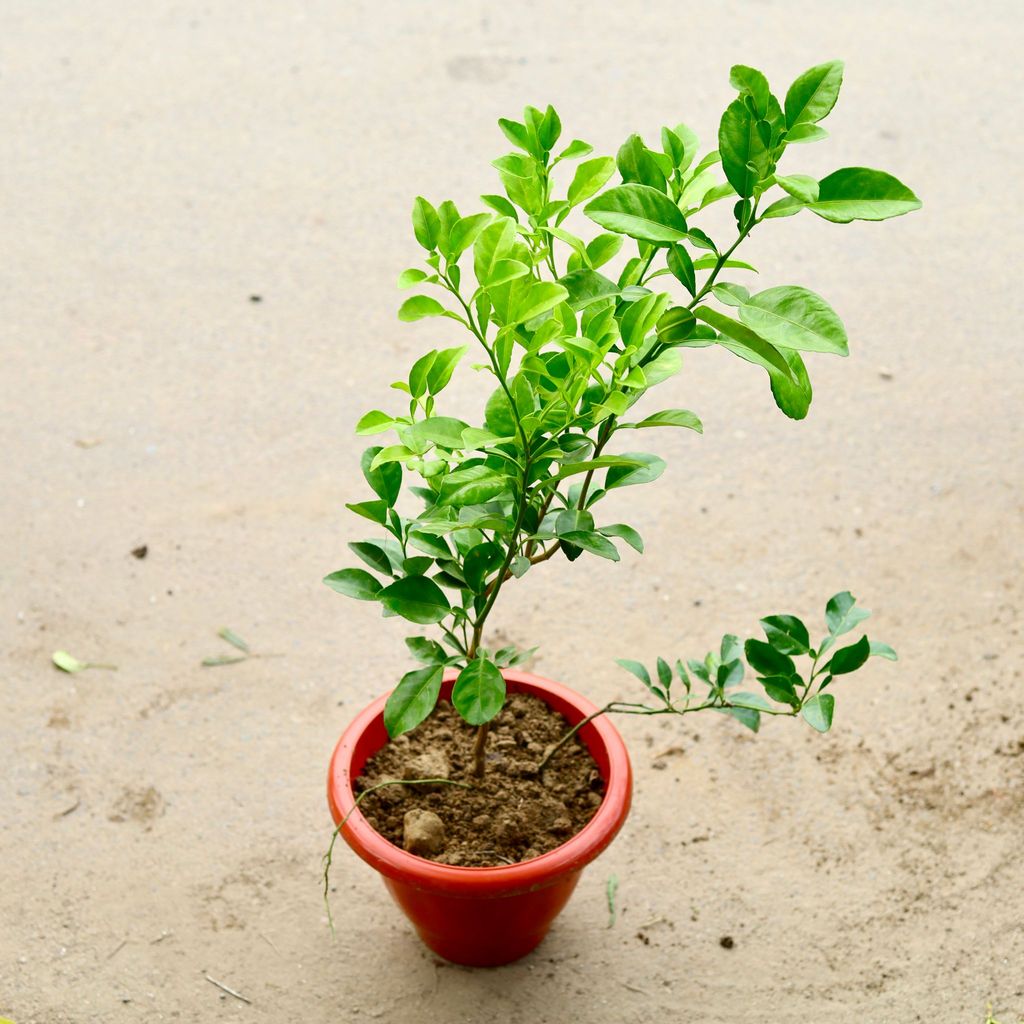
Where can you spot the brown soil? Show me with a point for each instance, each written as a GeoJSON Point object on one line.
{"type": "Point", "coordinates": [510, 814]}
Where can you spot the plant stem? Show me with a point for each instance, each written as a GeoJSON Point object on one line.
{"type": "Point", "coordinates": [479, 747]}
{"type": "Point", "coordinates": [329, 855]}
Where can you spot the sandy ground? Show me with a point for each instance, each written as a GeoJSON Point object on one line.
{"type": "Point", "coordinates": [164, 162]}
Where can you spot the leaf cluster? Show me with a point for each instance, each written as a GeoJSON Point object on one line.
{"type": "Point", "coordinates": [568, 347]}
{"type": "Point", "coordinates": [786, 688]}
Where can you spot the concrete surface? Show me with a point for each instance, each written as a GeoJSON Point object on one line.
{"type": "Point", "coordinates": [164, 162]}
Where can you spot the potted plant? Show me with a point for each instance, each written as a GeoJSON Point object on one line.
{"type": "Point", "coordinates": [480, 791]}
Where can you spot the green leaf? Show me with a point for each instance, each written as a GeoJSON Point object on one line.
{"type": "Point", "coordinates": [730, 294]}
{"type": "Point", "coordinates": [590, 178]}
{"type": "Point", "coordinates": [787, 634]}
{"type": "Point", "coordinates": [813, 95]}
{"type": "Point", "coordinates": [842, 613]}
{"type": "Point", "coordinates": [538, 298]}
{"type": "Point", "coordinates": [643, 675]}
{"type": "Point", "coordinates": [425, 224]}
{"type": "Point", "coordinates": [637, 164]}
{"type": "Point", "coordinates": [797, 318]}
{"type": "Point", "coordinates": [745, 716]}
{"type": "Point", "coordinates": [501, 205]}
{"type": "Point", "coordinates": [666, 364]}
{"type": "Point", "coordinates": [745, 157]}
{"type": "Point", "coordinates": [357, 583]}
{"type": "Point", "coordinates": [731, 649]}
{"type": "Point", "coordinates": [375, 555]}
{"type": "Point", "coordinates": [385, 480]}
{"type": "Point", "coordinates": [650, 468]}
{"type": "Point", "coordinates": [493, 244]}
{"type": "Point", "coordinates": [675, 325]}
{"type": "Point", "coordinates": [764, 659]}
{"type": "Point", "coordinates": [806, 133]}
{"type": "Point", "coordinates": [442, 367]}
{"type": "Point", "coordinates": [664, 674]}
{"type": "Point", "coordinates": [415, 598]}
{"type": "Point", "coordinates": [68, 663]}
{"type": "Point", "coordinates": [574, 151]}
{"type": "Point", "coordinates": [681, 267]}
{"type": "Point", "coordinates": [419, 306]}
{"type": "Point", "coordinates": [479, 692]}
{"type": "Point", "coordinates": [753, 701]}
{"type": "Point", "coordinates": [465, 233]}
{"type": "Point", "coordinates": [393, 453]}
{"type": "Point", "coordinates": [602, 461]}
{"type": "Point", "coordinates": [849, 659]}
{"type": "Point", "coordinates": [799, 186]}
{"type": "Point", "coordinates": [626, 533]}
{"type": "Point", "coordinates": [603, 248]}
{"type": "Point", "coordinates": [787, 207]}
{"type": "Point", "coordinates": [445, 431]}
{"type": "Point", "coordinates": [878, 649]}
{"type": "Point", "coordinates": [742, 341]}
{"type": "Point", "coordinates": [471, 486]}
{"type": "Point", "coordinates": [793, 397]}
{"type": "Point", "coordinates": [860, 193]}
{"type": "Point", "coordinates": [412, 700]}
{"type": "Point", "coordinates": [595, 543]}
{"type": "Point", "coordinates": [782, 689]}
{"type": "Point", "coordinates": [752, 83]}
{"type": "Point", "coordinates": [480, 561]}
{"type": "Point", "coordinates": [573, 520]}
{"type": "Point", "coordinates": [408, 278]}
{"type": "Point", "coordinates": [817, 712]}
{"type": "Point", "coordinates": [639, 211]}
{"type": "Point", "coordinates": [233, 638]}
{"type": "Point", "coordinates": [374, 423]}
{"type": "Point", "coordinates": [587, 286]}
{"type": "Point", "coordinates": [375, 511]}
{"type": "Point", "coordinates": [671, 418]}
{"type": "Point", "coordinates": [426, 650]}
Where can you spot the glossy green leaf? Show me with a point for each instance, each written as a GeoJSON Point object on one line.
{"type": "Point", "coordinates": [751, 82]}
{"type": "Point", "coordinates": [586, 287]}
{"type": "Point", "coordinates": [415, 598]}
{"type": "Point", "coordinates": [540, 297]}
{"type": "Point", "coordinates": [817, 712]}
{"type": "Point", "coordinates": [442, 367]}
{"type": "Point", "coordinates": [641, 673]}
{"type": "Point", "coordinates": [471, 486]}
{"type": "Point", "coordinates": [764, 659]}
{"type": "Point", "coordinates": [375, 511]}
{"type": "Point", "coordinates": [412, 700]}
{"type": "Point", "coordinates": [480, 562]}
{"type": "Point", "coordinates": [849, 659]}
{"type": "Point", "coordinates": [479, 692]}
{"type": "Point", "coordinates": [792, 394]}
{"type": "Point", "coordinates": [594, 542]}
{"type": "Point", "coordinates": [639, 211]}
{"type": "Point", "coordinates": [636, 163]}
{"type": "Point", "coordinates": [375, 555]}
{"type": "Point", "coordinates": [357, 583]}
{"type": "Point", "coordinates": [813, 95]}
{"type": "Point", "coordinates": [590, 177]}
{"type": "Point", "coordinates": [425, 223]}
{"type": "Point", "coordinates": [410, 277]}
{"type": "Point", "coordinates": [374, 423]}
{"type": "Point", "coordinates": [796, 318]}
{"type": "Point", "coordinates": [672, 418]}
{"type": "Point", "coordinates": [744, 342]}
{"type": "Point", "coordinates": [842, 613]}
{"type": "Point", "coordinates": [465, 232]}
{"type": "Point", "coordinates": [626, 533]}
{"type": "Point", "coordinates": [430, 652]}
{"type": "Point", "coordinates": [787, 634]}
{"type": "Point", "coordinates": [675, 325]}
{"type": "Point", "coordinates": [878, 649]}
{"type": "Point", "coordinates": [745, 157]}
{"type": "Point", "coordinates": [799, 186]}
{"type": "Point", "coordinates": [650, 468]}
{"type": "Point", "coordinates": [860, 193]}
{"type": "Point", "coordinates": [493, 244]}
{"type": "Point", "coordinates": [445, 431]}
{"type": "Point", "coordinates": [806, 132]}
{"type": "Point", "coordinates": [386, 480]}
{"type": "Point", "coordinates": [419, 306]}
{"type": "Point", "coordinates": [681, 267]}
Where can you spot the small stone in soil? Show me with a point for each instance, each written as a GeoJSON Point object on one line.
{"type": "Point", "coordinates": [423, 833]}
{"type": "Point", "coordinates": [726, 942]}
{"type": "Point", "coordinates": [431, 764]}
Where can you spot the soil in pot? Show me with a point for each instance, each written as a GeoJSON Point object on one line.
{"type": "Point", "coordinates": [510, 815]}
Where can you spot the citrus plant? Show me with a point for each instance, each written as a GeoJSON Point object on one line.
{"type": "Point", "coordinates": [567, 347]}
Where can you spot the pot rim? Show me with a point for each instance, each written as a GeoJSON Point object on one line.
{"type": "Point", "coordinates": [572, 855]}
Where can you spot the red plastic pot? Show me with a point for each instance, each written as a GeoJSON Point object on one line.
{"type": "Point", "coordinates": [484, 917]}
